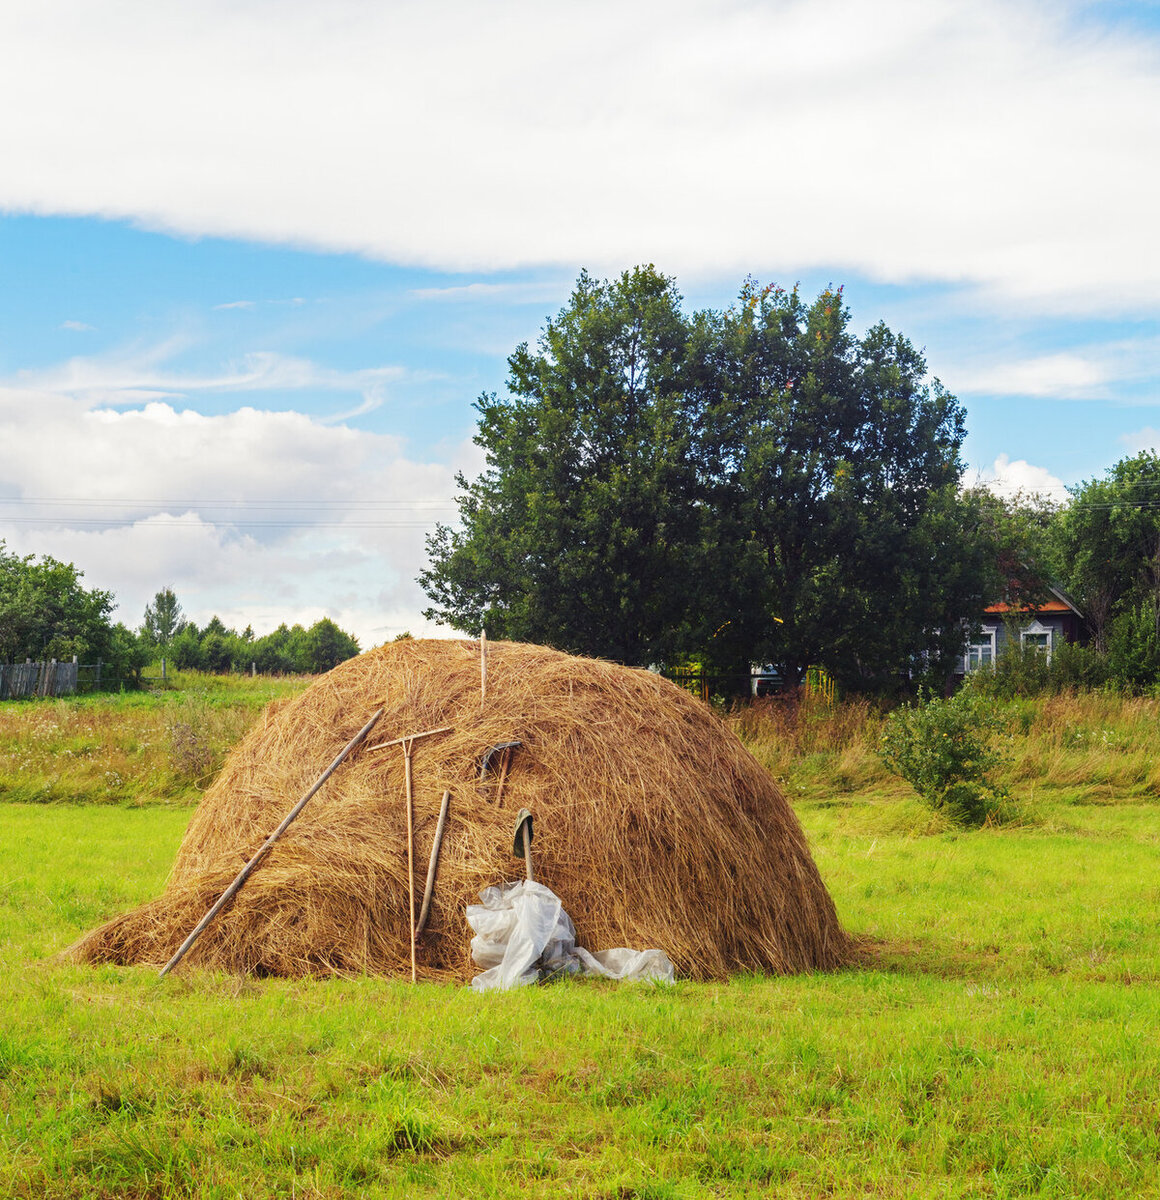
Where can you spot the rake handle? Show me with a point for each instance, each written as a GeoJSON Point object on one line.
{"type": "Point", "coordinates": [249, 868]}
{"type": "Point", "coordinates": [410, 854]}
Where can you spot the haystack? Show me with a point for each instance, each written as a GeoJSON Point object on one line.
{"type": "Point", "coordinates": [652, 823]}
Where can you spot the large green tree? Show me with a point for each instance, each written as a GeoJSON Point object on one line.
{"type": "Point", "coordinates": [832, 472]}
{"type": "Point", "coordinates": [582, 530]}
{"type": "Point", "coordinates": [754, 484]}
{"type": "Point", "coordinates": [45, 612]}
{"type": "Point", "coordinates": [326, 646]}
{"type": "Point", "coordinates": [1108, 543]}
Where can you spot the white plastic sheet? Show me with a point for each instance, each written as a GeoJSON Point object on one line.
{"type": "Point", "coordinates": [523, 935]}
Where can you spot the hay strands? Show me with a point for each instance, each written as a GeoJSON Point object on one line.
{"type": "Point", "coordinates": [249, 868]}
{"type": "Point", "coordinates": [429, 888]}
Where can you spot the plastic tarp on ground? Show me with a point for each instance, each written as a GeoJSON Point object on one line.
{"type": "Point", "coordinates": [523, 935]}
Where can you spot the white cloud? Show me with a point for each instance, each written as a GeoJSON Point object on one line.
{"type": "Point", "coordinates": [138, 374]}
{"type": "Point", "coordinates": [1008, 479]}
{"type": "Point", "coordinates": [77, 326]}
{"type": "Point", "coordinates": [1141, 439]}
{"type": "Point", "coordinates": [246, 304]}
{"type": "Point", "coordinates": [997, 143]}
{"type": "Point", "coordinates": [1067, 376]}
{"type": "Point", "coordinates": [258, 516]}
{"type": "Point", "coordinates": [519, 293]}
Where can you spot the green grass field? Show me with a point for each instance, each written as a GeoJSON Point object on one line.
{"type": "Point", "coordinates": [1002, 1038]}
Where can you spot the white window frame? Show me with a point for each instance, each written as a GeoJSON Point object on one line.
{"type": "Point", "coordinates": [986, 641]}
{"type": "Point", "coordinates": [1037, 629]}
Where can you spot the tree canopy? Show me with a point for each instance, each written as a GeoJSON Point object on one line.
{"type": "Point", "coordinates": [163, 619]}
{"type": "Point", "coordinates": [288, 650]}
{"type": "Point", "coordinates": [45, 612]}
{"type": "Point", "coordinates": [753, 484]}
{"type": "Point", "coordinates": [583, 530]}
{"type": "Point", "coordinates": [1107, 543]}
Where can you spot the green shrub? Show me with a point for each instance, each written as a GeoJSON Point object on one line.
{"type": "Point", "coordinates": [944, 749]}
{"type": "Point", "coordinates": [1134, 647]}
{"type": "Point", "coordinates": [1023, 671]}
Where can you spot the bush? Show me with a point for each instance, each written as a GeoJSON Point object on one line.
{"type": "Point", "coordinates": [1022, 671]}
{"type": "Point", "coordinates": [1134, 647]}
{"type": "Point", "coordinates": [944, 749]}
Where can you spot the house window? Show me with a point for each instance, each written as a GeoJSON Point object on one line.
{"type": "Point", "coordinates": [1038, 637]}
{"type": "Point", "coordinates": [980, 653]}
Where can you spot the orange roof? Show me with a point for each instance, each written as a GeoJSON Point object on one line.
{"type": "Point", "coordinates": [1049, 606]}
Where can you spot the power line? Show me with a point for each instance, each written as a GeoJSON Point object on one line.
{"type": "Point", "coordinates": [307, 502]}
{"type": "Point", "coordinates": [246, 513]}
{"type": "Point", "coordinates": [111, 523]}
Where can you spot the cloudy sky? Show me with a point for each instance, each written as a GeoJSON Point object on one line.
{"type": "Point", "coordinates": [258, 257]}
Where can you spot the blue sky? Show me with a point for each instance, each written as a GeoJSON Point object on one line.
{"type": "Point", "coordinates": [259, 259]}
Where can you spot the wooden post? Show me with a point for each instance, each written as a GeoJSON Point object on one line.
{"type": "Point", "coordinates": [482, 667]}
{"type": "Point", "coordinates": [249, 868]}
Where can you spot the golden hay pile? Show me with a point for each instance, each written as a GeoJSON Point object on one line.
{"type": "Point", "coordinates": [652, 823]}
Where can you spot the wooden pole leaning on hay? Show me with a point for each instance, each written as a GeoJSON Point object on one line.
{"type": "Point", "coordinates": [407, 750]}
{"type": "Point", "coordinates": [249, 868]}
{"type": "Point", "coordinates": [429, 887]}
{"type": "Point", "coordinates": [482, 667]}
{"type": "Point", "coordinates": [407, 742]}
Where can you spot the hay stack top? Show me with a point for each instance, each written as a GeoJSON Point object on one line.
{"type": "Point", "coordinates": [653, 824]}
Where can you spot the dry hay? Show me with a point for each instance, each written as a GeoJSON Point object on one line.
{"type": "Point", "coordinates": [652, 823]}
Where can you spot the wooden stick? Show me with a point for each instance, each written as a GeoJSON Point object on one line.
{"type": "Point", "coordinates": [429, 889]}
{"type": "Point", "coordinates": [410, 737]}
{"type": "Point", "coordinates": [248, 869]}
{"type": "Point", "coordinates": [407, 750]}
{"type": "Point", "coordinates": [482, 667]}
{"type": "Point", "coordinates": [507, 757]}
{"type": "Point", "coordinates": [528, 854]}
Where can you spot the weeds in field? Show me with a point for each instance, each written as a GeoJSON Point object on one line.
{"type": "Point", "coordinates": [1083, 748]}
{"type": "Point", "coordinates": [136, 748]}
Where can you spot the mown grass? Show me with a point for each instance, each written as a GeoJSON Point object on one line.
{"type": "Point", "coordinates": [999, 1039]}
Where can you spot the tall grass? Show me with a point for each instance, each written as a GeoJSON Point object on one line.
{"type": "Point", "coordinates": [135, 748]}
{"type": "Point", "coordinates": [815, 749]}
{"type": "Point", "coordinates": [1082, 747]}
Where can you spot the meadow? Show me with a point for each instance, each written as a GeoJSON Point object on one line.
{"type": "Point", "coordinates": [999, 1038]}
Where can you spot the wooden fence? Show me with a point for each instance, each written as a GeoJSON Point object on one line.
{"type": "Point", "coordinates": [19, 681]}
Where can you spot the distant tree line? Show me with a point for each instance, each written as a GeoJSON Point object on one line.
{"type": "Point", "coordinates": [46, 612]}
{"type": "Point", "coordinates": [288, 650]}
